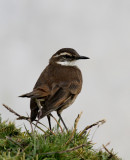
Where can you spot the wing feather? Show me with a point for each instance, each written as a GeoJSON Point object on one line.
{"type": "Point", "coordinates": [38, 92]}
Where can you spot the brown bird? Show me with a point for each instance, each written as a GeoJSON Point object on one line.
{"type": "Point", "coordinates": [58, 85]}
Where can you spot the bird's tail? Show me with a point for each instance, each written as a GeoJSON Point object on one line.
{"type": "Point", "coordinates": [28, 95]}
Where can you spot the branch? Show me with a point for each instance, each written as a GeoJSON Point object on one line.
{"type": "Point", "coordinates": [92, 125]}
{"type": "Point", "coordinates": [75, 126]}
{"type": "Point", "coordinates": [110, 153]}
{"type": "Point", "coordinates": [12, 111]}
{"type": "Point", "coordinates": [57, 122]}
{"type": "Point", "coordinates": [25, 118]}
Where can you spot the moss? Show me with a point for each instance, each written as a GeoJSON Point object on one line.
{"type": "Point", "coordinates": [15, 145]}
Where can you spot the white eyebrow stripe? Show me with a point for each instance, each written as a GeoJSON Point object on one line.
{"type": "Point", "coordinates": [62, 54]}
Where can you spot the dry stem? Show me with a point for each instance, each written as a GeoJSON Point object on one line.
{"type": "Point", "coordinates": [57, 122]}
{"type": "Point", "coordinates": [25, 118]}
{"type": "Point", "coordinates": [111, 154]}
{"type": "Point", "coordinates": [92, 125]}
{"type": "Point", "coordinates": [75, 126]}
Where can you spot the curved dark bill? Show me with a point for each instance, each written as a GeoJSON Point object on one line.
{"type": "Point", "coordinates": [83, 57]}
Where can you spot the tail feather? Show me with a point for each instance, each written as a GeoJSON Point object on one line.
{"type": "Point", "coordinates": [28, 95]}
{"type": "Point", "coordinates": [34, 109]}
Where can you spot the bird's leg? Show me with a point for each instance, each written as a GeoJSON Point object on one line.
{"type": "Point", "coordinates": [39, 111]}
{"type": "Point", "coordinates": [31, 125]}
{"type": "Point", "coordinates": [49, 121]}
{"type": "Point", "coordinates": [62, 121]}
{"type": "Point", "coordinates": [40, 108]}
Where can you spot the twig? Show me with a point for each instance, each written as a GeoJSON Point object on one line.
{"type": "Point", "coordinates": [69, 150]}
{"type": "Point", "coordinates": [11, 110]}
{"type": "Point", "coordinates": [44, 131]}
{"type": "Point", "coordinates": [94, 133]}
{"type": "Point", "coordinates": [111, 154]}
{"type": "Point", "coordinates": [90, 126]}
{"type": "Point", "coordinates": [27, 131]}
{"type": "Point", "coordinates": [45, 127]}
{"type": "Point", "coordinates": [30, 124]}
{"type": "Point", "coordinates": [105, 145]}
{"type": "Point", "coordinates": [10, 139]}
{"type": "Point", "coordinates": [25, 118]}
{"type": "Point", "coordinates": [57, 122]}
{"type": "Point", "coordinates": [75, 126]}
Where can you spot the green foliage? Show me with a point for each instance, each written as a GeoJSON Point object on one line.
{"type": "Point", "coordinates": [8, 129]}
{"type": "Point", "coordinates": [17, 145]}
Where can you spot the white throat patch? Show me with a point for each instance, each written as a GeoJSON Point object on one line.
{"type": "Point", "coordinates": [66, 63]}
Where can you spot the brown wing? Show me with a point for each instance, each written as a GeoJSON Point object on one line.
{"type": "Point", "coordinates": [52, 102]}
{"type": "Point", "coordinates": [61, 96]}
{"type": "Point", "coordinates": [38, 92]}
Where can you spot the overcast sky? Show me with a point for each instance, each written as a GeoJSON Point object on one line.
{"type": "Point", "coordinates": [32, 31]}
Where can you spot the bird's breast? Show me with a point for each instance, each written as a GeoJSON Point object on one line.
{"type": "Point", "coordinates": [65, 73]}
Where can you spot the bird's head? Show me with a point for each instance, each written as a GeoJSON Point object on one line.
{"type": "Point", "coordinates": [66, 57]}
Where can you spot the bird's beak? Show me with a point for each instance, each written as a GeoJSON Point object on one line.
{"type": "Point", "coordinates": [83, 57]}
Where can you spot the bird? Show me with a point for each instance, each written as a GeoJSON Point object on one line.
{"type": "Point", "coordinates": [57, 87]}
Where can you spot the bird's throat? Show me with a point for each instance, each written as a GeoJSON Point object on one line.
{"type": "Point", "coordinates": [67, 63]}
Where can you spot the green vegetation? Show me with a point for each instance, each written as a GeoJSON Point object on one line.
{"type": "Point", "coordinates": [17, 145]}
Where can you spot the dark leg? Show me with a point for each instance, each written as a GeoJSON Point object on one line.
{"type": "Point", "coordinates": [49, 121]}
{"type": "Point", "coordinates": [62, 121]}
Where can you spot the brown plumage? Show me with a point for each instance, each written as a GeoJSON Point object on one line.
{"type": "Point", "coordinates": [57, 86]}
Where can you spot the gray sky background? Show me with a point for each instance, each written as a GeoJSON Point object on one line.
{"type": "Point", "coordinates": [31, 31]}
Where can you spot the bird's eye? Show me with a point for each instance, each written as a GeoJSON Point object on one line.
{"type": "Point", "coordinates": [66, 56]}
